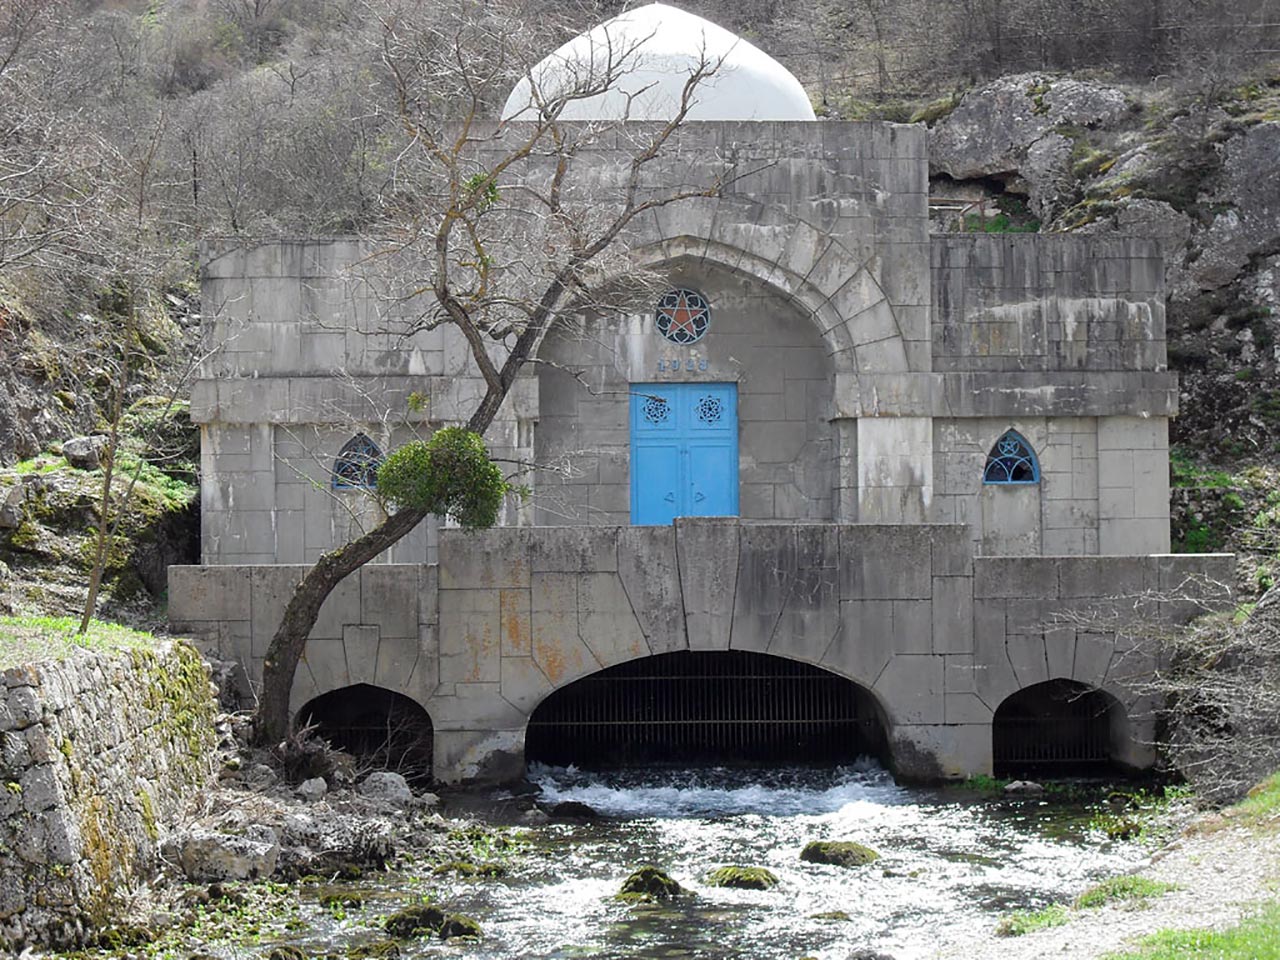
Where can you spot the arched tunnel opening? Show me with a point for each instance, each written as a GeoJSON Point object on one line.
{"type": "Point", "coordinates": [729, 707]}
{"type": "Point", "coordinates": [382, 729]}
{"type": "Point", "coordinates": [1057, 727]}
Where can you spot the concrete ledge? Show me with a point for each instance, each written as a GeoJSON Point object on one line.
{"type": "Point", "coordinates": [1006, 394]}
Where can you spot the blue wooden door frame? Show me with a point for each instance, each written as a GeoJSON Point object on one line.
{"type": "Point", "coordinates": [684, 451]}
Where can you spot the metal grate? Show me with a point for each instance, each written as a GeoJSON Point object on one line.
{"type": "Point", "coordinates": [722, 707]}
{"type": "Point", "coordinates": [1054, 725]}
{"type": "Point", "coordinates": [380, 728]}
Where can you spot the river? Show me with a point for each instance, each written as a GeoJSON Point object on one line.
{"type": "Point", "coordinates": [952, 864]}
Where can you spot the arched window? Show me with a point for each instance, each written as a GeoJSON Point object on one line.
{"type": "Point", "coordinates": [1011, 460]}
{"type": "Point", "coordinates": [357, 465]}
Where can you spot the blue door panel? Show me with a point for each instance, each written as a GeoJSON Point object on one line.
{"type": "Point", "coordinates": [684, 451]}
{"type": "Point", "coordinates": [657, 498]}
{"type": "Point", "coordinates": [713, 480]}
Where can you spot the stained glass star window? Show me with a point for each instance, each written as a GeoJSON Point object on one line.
{"type": "Point", "coordinates": [683, 316]}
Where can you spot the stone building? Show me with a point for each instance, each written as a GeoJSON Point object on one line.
{"type": "Point", "coordinates": [929, 445]}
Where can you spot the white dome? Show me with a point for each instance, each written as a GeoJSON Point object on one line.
{"type": "Point", "coordinates": [658, 47]}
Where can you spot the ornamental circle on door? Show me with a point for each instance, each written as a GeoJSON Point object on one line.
{"type": "Point", "coordinates": [683, 316]}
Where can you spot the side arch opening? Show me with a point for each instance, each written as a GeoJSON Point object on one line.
{"type": "Point", "coordinates": [1059, 727]}
{"type": "Point", "coordinates": [730, 707]}
{"type": "Point", "coordinates": [379, 727]}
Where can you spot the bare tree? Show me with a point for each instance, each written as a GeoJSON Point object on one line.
{"type": "Point", "coordinates": [502, 222]}
{"type": "Point", "coordinates": [1214, 682]}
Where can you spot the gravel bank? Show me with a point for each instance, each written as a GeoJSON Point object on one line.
{"type": "Point", "coordinates": [1219, 874]}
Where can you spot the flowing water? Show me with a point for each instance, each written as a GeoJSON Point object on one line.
{"type": "Point", "coordinates": [950, 866]}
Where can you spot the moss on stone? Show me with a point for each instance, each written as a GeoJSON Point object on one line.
{"type": "Point", "coordinates": [415, 921]}
{"type": "Point", "coordinates": [458, 925]}
{"type": "Point", "coordinates": [839, 853]}
{"type": "Point", "coordinates": [286, 952]}
{"type": "Point", "coordinates": [742, 878]}
{"type": "Point", "coordinates": [378, 950]}
{"type": "Point", "coordinates": [837, 915]}
{"type": "Point", "coordinates": [465, 868]}
{"type": "Point", "coordinates": [649, 883]}
{"type": "Point", "coordinates": [346, 897]}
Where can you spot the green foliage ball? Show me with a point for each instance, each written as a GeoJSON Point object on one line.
{"type": "Point", "coordinates": [449, 475]}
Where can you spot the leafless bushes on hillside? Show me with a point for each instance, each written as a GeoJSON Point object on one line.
{"type": "Point", "coordinates": [1215, 681]}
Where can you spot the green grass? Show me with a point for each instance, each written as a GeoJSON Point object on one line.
{"type": "Point", "coordinates": [1022, 922]}
{"type": "Point", "coordinates": [1258, 938]}
{"type": "Point", "coordinates": [1262, 805]}
{"type": "Point", "coordinates": [1122, 889]}
{"type": "Point", "coordinates": [1188, 473]}
{"type": "Point", "coordinates": [31, 639]}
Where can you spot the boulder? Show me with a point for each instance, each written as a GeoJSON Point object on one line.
{"type": "Point", "coordinates": [650, 883]}
{"type": "Point", "coordinates": [1047, 171]}
{"type": "Point", "coordinates": [839, 853]}
{"type": "Point", "coordinates": [1023, 788]}
{"type": "Point", "coordinates": [386, 786]}
{"type": "Point", "coordinates": [742, 878]}
{"type": "Point", "coordinates": [378, 950]}
{"type": "Point", "coordinates": [312, 790]}
{"type": "Point", "coordinates": [84, 453]}
{"type": "Point", "coordinates": [995, 126]}
{"type": "Point", "coordinates": [573, 810]}
{"type": "Point", "coordinates": [459, 925]}
{"type": "Point", "coordinates": [421, 919]}
{"type": "Point", "coordinates": [1248, 206]}
{"type": "Point", "coordinates": [205, 855]}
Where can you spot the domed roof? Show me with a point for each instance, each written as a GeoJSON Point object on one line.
{"type": "Point", "coordinates": [659, 47]}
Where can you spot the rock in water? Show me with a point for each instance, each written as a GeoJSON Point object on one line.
{"type": "Point", "coordinates": [388, 786]}
{"type": "Point", "coordinates": [1023, 788]}
{"type": "Point", "coordinates": [415, 921]}
{"type": "Point", "coordinates": [839, 853]}
{"type": "Point", "coordinates": [650, 883]}
{"type": "Point", "coordinates": [458, 925]}
{"type": "Point", "coordinates": [742, 878]}
{"type": "Point", "coordinates": [573, 810]}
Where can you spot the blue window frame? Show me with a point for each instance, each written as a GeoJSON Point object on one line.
{"type": "Point", "coordinates": [1011, 460]}
{"type": "Point", "coordinates": [357, 465]}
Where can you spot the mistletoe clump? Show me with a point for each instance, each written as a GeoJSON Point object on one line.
{"type": "Point", "coordinates": [449, 475]}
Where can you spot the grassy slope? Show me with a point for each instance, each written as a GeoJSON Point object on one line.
{"type": "Point", "coordinates": [26, 640]}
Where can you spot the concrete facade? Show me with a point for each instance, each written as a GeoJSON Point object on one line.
{"type": "Point", "coordinates": [940, 638]}
{"type": "Point", "coordinates": [876, 366]}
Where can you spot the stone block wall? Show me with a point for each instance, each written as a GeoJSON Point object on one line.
{"type": "Point", "coordinates": [1029, 302]}
{"type": "Point", "coordinates": [510, 615]}
{"type": "Point", "coordinates": [101, 752]}
{"type": "Point", "coordinates": [1104, 485]}
{"type": "Point", "coordinates": [379, 625]}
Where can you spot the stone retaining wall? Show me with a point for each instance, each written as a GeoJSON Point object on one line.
{"type": "Point", "coordinates": [99, 752]}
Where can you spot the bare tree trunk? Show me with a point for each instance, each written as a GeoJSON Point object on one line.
{"type": "Point", "coordinates": [102, 543]}
{"type": "Point", "coordinates": [300, 616]}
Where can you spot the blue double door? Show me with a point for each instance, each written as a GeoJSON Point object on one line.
{"type": "Point", "coordinates": [684, 451]}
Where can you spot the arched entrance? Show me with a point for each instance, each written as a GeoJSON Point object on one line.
{"type": "Point", "coordinates": [379, 727]}
{"type": "Point", "coordinates": [1059, 726]}
{"type": "Point", "coordinates": [721, 707]}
